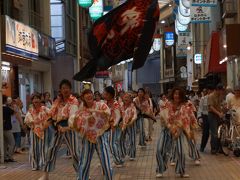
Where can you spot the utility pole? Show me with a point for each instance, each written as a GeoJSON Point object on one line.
{"type": "Point", "coordinates": [1, 109]}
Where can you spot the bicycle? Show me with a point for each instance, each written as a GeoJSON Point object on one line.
{"type": "Point", "coordinates": [229, 134]}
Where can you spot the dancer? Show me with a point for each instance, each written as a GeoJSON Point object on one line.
{"type": "Point", "coordinates": [37, 119]}
{"type": "Point", "coordinates": [129, 115]}
{"type": "Point", "coordinates": [63, 107]}
{"type": "Point", "coordinates": [92, 121]}
{"type": "Point", "coordinates": [144, 110]}
{"type": "Point", "coordinates": [116, 132]}
{"type": "Point", "coordinates": [178, 121]}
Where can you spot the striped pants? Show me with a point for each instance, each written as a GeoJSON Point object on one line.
{"type": "Point", "coordinates": [142, 136]}
{"type": "Point", "coordinates": [165, 146]}
{"type": "Point", "coordinates": [38, 150]}
{"type": "Point", "coordinates": [131, 133]}
{"type": "Point", "coordinates": [87, 154]}
{"type": "Point", "coordinates": [193, 151]}
{"type": "Point", "coordinates": [72, 141]}
{"type": "Point", "coordinates": [115, 145]}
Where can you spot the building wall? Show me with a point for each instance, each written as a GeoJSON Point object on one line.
{"type": "Point", "coordinates": [62, 68]}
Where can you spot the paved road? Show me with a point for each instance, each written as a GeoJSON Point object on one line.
{"type": "Point", "coordinates": [213, 167]}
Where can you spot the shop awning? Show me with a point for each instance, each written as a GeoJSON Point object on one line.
{"type": "Point", "coordinates": [212, 56]}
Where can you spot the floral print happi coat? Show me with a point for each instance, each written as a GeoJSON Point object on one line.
{"type": "Point", "coordinates": [91, 122]}
{"type": "Point", "coordinates": [182, 118]}
{"type": "Point", "coordinates": [37, 119]}
{"type": "Point", "coordinates": [129, 115]}
{"type": "Point", "coordinates": [63, 110]}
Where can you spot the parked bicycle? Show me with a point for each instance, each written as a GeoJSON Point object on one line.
{"type": "Point", "coordinates": [229, 134]}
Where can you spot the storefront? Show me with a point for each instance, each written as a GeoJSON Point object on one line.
{"type": "Point", "coordinates": [230, 53]}
{"type": "Point", "coordinates": [26, 55]}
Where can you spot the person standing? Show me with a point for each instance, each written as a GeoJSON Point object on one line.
{"type": "Point", "coordinates": [47, 99]}
{"type": "Point", "coordinates": [116, 132]}
{"type": "Point", "coordinates": [63, 107]}
{"type": "Point", "coordinates": [92, 121]}
{"type": "Point", "coordinates": [202, 115]}
{"type": "Point", "coordinates": [215, 113]}
{"type": "Point", "coordinates": [37, 119]}
{"type": "Point", "coordinates": [9, 142]}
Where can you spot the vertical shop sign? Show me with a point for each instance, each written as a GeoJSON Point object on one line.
{"type": "Point", "coordinates": [200, 14]}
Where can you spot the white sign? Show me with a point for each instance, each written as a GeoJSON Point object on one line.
{"type": "Point", "coordinates": [198, 58]}
{"type": "Point", "coordinates": [182, 43]}
{"type": "Point", "coordinates": [186, 3]}
{"type": "Point", "coordinates": [183, 10]}
{"type": "Point", "coordinates": [209, 3]}
{"type": "Point", "coordinates": [183, 40]}
{"type": "Point", "coordinates": [200, 14]}
{"type": "Point", "coordinates": [156, 44]}
{"type": "Point", "coordinates": [183, 19]}
{"type": "Point", "coordinates": [21, 39]}
{"type": "Point", "coordinates": [180, 27]}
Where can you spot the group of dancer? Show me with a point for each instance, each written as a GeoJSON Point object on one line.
{"type": "Point", "coordinates": [87, 124]}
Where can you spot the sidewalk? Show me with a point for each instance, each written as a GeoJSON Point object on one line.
{"type": "Point", "coordinates": [213, 167]}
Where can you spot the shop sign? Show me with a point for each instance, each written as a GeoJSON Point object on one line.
{"type": "Point", "coordinates": [186, 3]}
{"type": "Point", "coordinates": [183, 10]}
{"type": "Point", "coordinates": [169, 38]}
{"type": "Point", "coordinates": [85, 3]}
{"type": "Point", "coordinates": [156, 44]}
{"type": "Point", "coordinates": [102, 74]}
{"type": "Point", "coordinates": [183, 19]}
{"type": "Point", "coordinates": [209, 3]}
{"type": "Point", "coordinates": [198, 58]}
{"type": "Point", "coordinates": [96, 10]}
{"type": "Point", "coordinates": [180, 27]}
{"type": "Point", "coordinates": [200, 14]}
{"type": "Point", "coordinates": [183, 40]}
{"type": "Point", "coordinates": [47, 46]}
{"type": "Point", "coordinates": [21, 39]}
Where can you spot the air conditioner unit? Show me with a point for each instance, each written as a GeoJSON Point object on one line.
{"type": "Point", "coordinates": [229, 8]}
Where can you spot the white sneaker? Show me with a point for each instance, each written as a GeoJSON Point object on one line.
{"type": "Point", "coordinates": [184, 175]}
{"type": "Point", "coordinates": [159, 175]}
{"type": "Point", "coordinates": [197, 163]}
{"type": "Point", "coordinates": [34, 169]}
{"type": "Point", "coordinates": [44, 177]}
{"type": "Point", "coordinates": [119, 165]}
{"type": "Point", "coordinates": [131, 159]}
{"type": "Point", "coordinates": [172, 164]}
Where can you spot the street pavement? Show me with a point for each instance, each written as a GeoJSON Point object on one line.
{"type": "Point", "coordinates": [213, 167]}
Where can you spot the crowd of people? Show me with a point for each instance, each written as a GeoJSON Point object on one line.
{"type": "Point", "coordinates": [109, 123]}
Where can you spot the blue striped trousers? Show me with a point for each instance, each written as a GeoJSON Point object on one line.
{"type": "Point", "coordinates": [193, 151]}
{"type": "Point", "coordinates": [72, 141]}
{"type": "Point", "coordinates": [142, 136]}
{"type": "Point", "coordinates": [38, 149]}
{"type": "Point", "coordinates": [131, 133]}
{"type": "Point", "coordinates": [86, 156]}
{"type": "Point", "coordinates": [165, 146]}
{"type": "Point", "coordinates": [115, 145]}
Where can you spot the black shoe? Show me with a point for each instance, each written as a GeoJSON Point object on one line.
{"type": "Point", "coordinates": [11, 160]}
{"type": "Point", "coordinates": [214, 152]}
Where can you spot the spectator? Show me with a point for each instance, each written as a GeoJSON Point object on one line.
{"type": "Point", "coordinates": [9, 142]}
{"type": "Point", "coordinates": [17, 124]}
{"type": "Point", "coordinates": [215, 113]}
{"type": "Point", "coordinates": [47, 99]}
